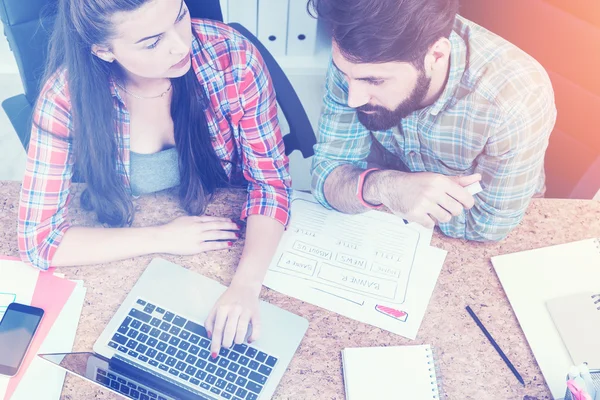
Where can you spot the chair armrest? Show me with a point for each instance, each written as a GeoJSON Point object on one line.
{"type": "Point", "coordinates": [19, 110]}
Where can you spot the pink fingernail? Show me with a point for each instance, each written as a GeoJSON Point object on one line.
{"type": "Point", "coordinates": [214, 355]}
{"type": "Point", "coordinates": [209, 333]}
{"type": "Point", "coordinates": [229, 244]}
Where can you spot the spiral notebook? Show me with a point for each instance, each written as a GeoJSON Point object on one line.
{"type": "Point", "coordinates": [534, 277]}
{"type": "Point", "coordinates": [397, 372]}
{"type": "Point", "coordinates": [577, 318]}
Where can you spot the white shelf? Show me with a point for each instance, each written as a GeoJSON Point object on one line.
{"type": "Point", "coordinates": [303, 65]}
{"type": "Point", "coordinates": [310, 66]}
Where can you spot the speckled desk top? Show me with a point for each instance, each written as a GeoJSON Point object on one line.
{"type": "Point", "coordinates": [469, 366]}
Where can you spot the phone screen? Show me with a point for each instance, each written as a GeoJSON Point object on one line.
{"type": "Point", "coordinates": [16, 332]}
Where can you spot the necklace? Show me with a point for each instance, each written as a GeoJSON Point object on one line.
{"type": "Point", "coordinates": [143, 97]}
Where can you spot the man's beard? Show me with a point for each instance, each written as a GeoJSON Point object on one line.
{"type": "Point", "coordinates": [383, 119]}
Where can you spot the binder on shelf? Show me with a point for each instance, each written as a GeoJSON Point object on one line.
{"type": "Point", "coordinates": [244, 12]}
{"type": "Point", "coordinates": [302, 30]}
{"type": "Point", "coordinates": [272, 25]}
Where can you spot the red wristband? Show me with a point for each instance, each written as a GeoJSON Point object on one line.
{"type": "Point", "coordinates": [359, 189]}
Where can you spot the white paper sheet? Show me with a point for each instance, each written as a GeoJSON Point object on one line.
{"type": "Point", "coordinates": [531, 278]}
{"type": "Point", "coordinates": [42, 381]}
{"type": "Point", "coordinates": [17, 283]}
{"type": "Point", "coordinates": [371, 267]}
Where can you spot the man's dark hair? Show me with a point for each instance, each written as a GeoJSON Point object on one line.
{"type": "Point", "coordinates": [379, 31]}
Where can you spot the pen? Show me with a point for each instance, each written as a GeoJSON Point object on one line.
{"type": "Point", "coordinates": [493, 342]}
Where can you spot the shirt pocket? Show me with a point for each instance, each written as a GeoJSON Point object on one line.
{"type": "Point", "coordinates": [450, 158]}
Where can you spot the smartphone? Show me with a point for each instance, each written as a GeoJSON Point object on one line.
{"type": "Point", "coordinates": [17, 327]}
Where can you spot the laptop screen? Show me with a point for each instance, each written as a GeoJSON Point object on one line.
{"type": "Point", "coordinates": [98, 370]}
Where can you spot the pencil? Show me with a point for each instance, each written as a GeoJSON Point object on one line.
{"type": "Point", "coordinates": [493, 342]}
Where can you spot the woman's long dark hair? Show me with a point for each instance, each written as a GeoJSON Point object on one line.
{"type": "Point", "coordinates": [96, 134]}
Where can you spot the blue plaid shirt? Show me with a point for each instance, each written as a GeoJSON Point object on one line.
{"type": "Point", "coordinates": [494, 117]}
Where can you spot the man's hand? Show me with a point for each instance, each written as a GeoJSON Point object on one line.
{"type": "Point", "coordinates": [424, 197]}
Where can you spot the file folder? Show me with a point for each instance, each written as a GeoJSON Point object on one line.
{"type": "Point", "coordinates": [302, 30]}
{"type": "Point", "coordinates": [272, 25]}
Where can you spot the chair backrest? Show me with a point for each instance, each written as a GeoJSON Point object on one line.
{"type": "Point", "coordinates": [28, 23]}
{"type": "Point", "coordinates": [208, 9]}
{"type": "Point", "coordinates": [27, 26]}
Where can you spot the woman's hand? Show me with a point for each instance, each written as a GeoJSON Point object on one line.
{"type": "Point", "coordinates": [231, 315]}
{"type": "Point", "coordinates": [191, 235]}
{"type": "Point", "coordinates": [237, 307]}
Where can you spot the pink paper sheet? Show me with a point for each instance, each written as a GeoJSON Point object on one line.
{"type": "Point", "coordinates": [51, 294]}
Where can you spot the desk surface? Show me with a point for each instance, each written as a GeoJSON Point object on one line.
{"type": "Point", "coordinates": [470, 368]}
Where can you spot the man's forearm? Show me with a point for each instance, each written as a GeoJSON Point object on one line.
{"type": "Point", "coordinates": [340, 189]}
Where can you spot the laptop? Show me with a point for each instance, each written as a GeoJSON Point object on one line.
{"type": "Point", "coordinates": [155, 346]}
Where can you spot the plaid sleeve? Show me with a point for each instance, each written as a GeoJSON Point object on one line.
{"type": "Point", "coordinates": [45, 189]}
{"type": "Point", "coordinates": [264, 161]}
{"type": "Point", "coordinates": [341, 138]}
{"type": "Point", "coordinates": [510, 167]}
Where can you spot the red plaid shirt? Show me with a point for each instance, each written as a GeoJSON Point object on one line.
{"type": "Point", "coordinates": [240, 92]}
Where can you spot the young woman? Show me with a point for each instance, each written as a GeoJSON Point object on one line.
{"type": "Point", "coordinates": [139, 98]}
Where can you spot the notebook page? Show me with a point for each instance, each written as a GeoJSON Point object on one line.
{"type": "Point", "coordinates": [577, 319]}
{"type": "Point", "coordinates": [400, 372]}
{"type": "Point", "coordinates": [530, 279]}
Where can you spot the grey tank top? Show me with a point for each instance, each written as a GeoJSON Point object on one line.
{"type": "Point", "coordinates": [149, 173]}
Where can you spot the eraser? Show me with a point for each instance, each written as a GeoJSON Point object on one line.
{"type": "Point", "coordinates": [474, 188]}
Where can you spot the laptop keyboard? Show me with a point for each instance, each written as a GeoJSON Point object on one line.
{"type": "Point", "coordinates": [180, 349]}
{"type": "Point", "coordinates": [126, 388]}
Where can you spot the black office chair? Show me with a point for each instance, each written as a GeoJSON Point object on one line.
{"type": "Point", "coordinates": [27, 24]}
